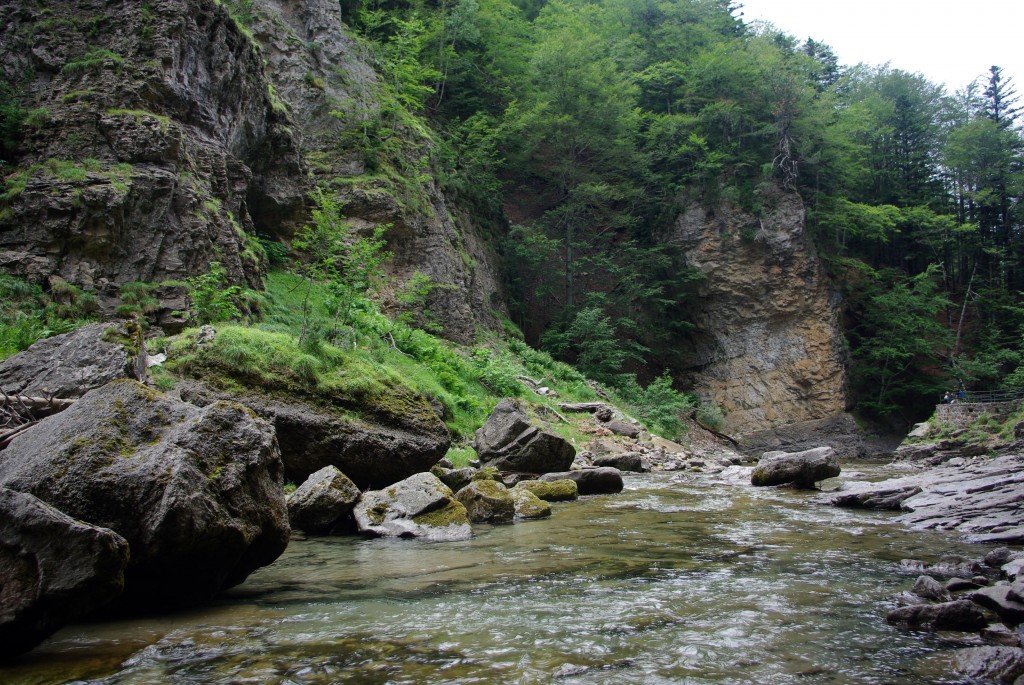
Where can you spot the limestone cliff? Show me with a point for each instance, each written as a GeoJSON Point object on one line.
{"type": "Point", "coordinates": [167, 135]}
{"type": "Point", "coordinates": [767, 346]}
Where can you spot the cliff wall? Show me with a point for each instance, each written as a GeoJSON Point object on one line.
{"type": "Point", "coordinates": [167, 135]}
{"type": "Point", "coordinates": [767, 346]}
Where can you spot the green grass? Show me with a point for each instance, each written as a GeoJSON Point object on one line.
{"type": "Point", "coordinates": [28, 314]}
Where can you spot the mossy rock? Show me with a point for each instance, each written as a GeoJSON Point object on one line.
{"type": "Point", "coordinates": [551, 491]}
{"type": "Point", "coordinates": [528, 505]}
{"type": "Point", "coordinates": [420, 506]}
{"type": "Point", "coordinates": [487, 501]}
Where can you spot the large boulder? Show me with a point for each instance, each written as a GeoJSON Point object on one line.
{"type": "Point", "coordinates": [420, 506]}
{"type": "Point", "coordinates": [197, 493]}
{"type": "Point", "coordinates": [53, 570]}
{"type": "Point", "coordinates": [72, 364]}
{"type": "Point", "coordinates": [555, 490]}
{"type": "Point", "coordinates": [598, 481]}
{"type": "Point", "coordinates": [800, 469]}
{"type": "Point", "coordinates": [959, 615]}
{"type": "Point", "coordinates": [487, 501]}
{"type": "Point", "coordinates": [381, 446]}
{"type": "Point", "coordinates": [323, 502]}
{"type": "Point", "coordinates": [509, 441]}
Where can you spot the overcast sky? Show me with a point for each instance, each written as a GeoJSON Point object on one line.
{"type": "Point", "coordinates": [949, 41]}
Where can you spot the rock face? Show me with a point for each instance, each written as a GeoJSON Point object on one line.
{"type": "Point", "coordinates": [197, 493]}
{"type": "Point", "coordinates": [509, 441]}
{"type": "Point", "coordinates": [53, 570]}
{"type": "Point", "coordinates": [373, 451]}
{"type": "Point", "coordinates": [173, 135]}
{"type": "Point", "coordinates": [169, 106]}
{"type": "Point", "coordinates": [72, 364]}
{"type": "Point", "coordinates": [420, 506]}
{"type": "Point", "coordinates": [840, 432]}
{"type": "Point", "coordinates": [599, 481]}
{"type": "Point", "coordinates": [767, 361]}
{"type": "Point", "coordinates": [487, 501]}
{"type": "Point", "coordinates": [800, 469]}
{"type": "Point", "coordinates": [323, 501]}
{"type": "Point", "coordinates": [981, 498]}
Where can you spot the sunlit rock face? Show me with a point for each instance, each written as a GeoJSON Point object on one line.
{"type": "Point", "coordinates": [768, 342]}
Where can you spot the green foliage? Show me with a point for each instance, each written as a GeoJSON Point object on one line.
{"type": "Point", "coordinates": [211, 298]}
{"type": "Point", "coordinates": [28, 314]}
{"type": "Point", "coordinates": [659, 405]}
{"type": "Point", "coordinates": [93, 59]}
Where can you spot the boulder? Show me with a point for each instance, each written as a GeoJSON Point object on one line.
{"type": "Point", "coordinates": [1012, 568]}
{"type": "Point", "coordinates": [383, 446]}
{"type": "Point", "coordinates": [487, 501]}
{"type": "Point", "coordinates": [622, 428]}
{"type": "Point", "coordinates": [997, 557]}
{"type": "Point", "coordinates": [596, 481]}
{"type": "Point", "coordinates": [197, 493]}
{"type": "Point", "coordinates": [1004, 665]}
{"type": "Point", "coordinates": [70, 365]}
{"type": "Point", "coordinates": [456, 479]}
{"type": "Point", "coordinates": [629, 461]}
{"type": "Point", "coordinates": [800, 469]}
{"type": "Point", "coordinates": [551, 490]}
{"type": "Point", "coordinates": [53, 570]}
{"type": "Point", "coordinates": [528, 505]}
{"type": "Point", "coordinates": [961, 585]}
{"type": "Point", "coordinates": [323, 501]}
{"type": "Point", "coordinates": [999, 598]}
{"type": "Point", "coordinates": [929, 588]}
{"type": "Point", "coordinates": [510, 442]}
{"type": "Point", "coordinates": [420, 506]}
{"type": "Point", "coordinates": [959, 615]}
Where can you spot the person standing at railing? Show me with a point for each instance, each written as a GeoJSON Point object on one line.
{"type": "Point", "coordinates": [960, 393]}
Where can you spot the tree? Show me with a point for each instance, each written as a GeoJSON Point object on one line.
{"type": "Point", "coordinates": [1000, 99]}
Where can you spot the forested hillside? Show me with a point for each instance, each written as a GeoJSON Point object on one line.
{"type": "Point", "coordinates": [578, 133]}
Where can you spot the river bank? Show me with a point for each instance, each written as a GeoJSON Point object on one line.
{"type": "Point", "coordinates": [677, 579]}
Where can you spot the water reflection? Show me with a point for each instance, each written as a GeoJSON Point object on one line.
{"type": "Point", "coordinates": [668, 582]}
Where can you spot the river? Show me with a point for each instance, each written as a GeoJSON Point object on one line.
{"type": "Point", "coordinates": [675, 580]}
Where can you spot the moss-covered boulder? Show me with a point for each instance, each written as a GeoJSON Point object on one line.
{"type": "Point", "coordinates": [487, 501]}
{"type": "Point", "coordinates": [53, 570]}
{"type": "Point", "coordinates": [196, 492]}
{"type": "Point", "coordinates": [324, 502]}
{"type": "Point", "coordinates": [550, 491]}
{"type": "Point", "coordinates": [528, 505]}
{"type": "Point", "coordinates": [375, 440]}
{"type": "Point", "coordinates": [420, 506]}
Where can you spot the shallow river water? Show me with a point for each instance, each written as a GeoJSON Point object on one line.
{"type": "Point", "coordinates": [667, 582]}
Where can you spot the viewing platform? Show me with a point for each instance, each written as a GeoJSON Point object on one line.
{"type": "Point", "coordinates": [997, 403]}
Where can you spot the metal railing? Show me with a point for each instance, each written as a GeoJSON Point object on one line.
{"type": "Point", "coordinates": [987, 396]}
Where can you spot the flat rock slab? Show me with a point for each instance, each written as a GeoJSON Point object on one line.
{"type": "Point", "coordinates": [984, 499]}
{"type": "Point", "coordinates": [1002, 600]}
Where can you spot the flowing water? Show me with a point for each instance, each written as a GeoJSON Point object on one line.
{"type": "Point", "coordinates": [675, 580]}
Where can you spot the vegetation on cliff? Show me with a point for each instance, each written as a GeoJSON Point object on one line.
{"type": "Point", "coordinates": [576, 133]}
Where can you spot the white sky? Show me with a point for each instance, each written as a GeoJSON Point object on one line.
{"type": "Point", "coordinates": [949, 41]}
